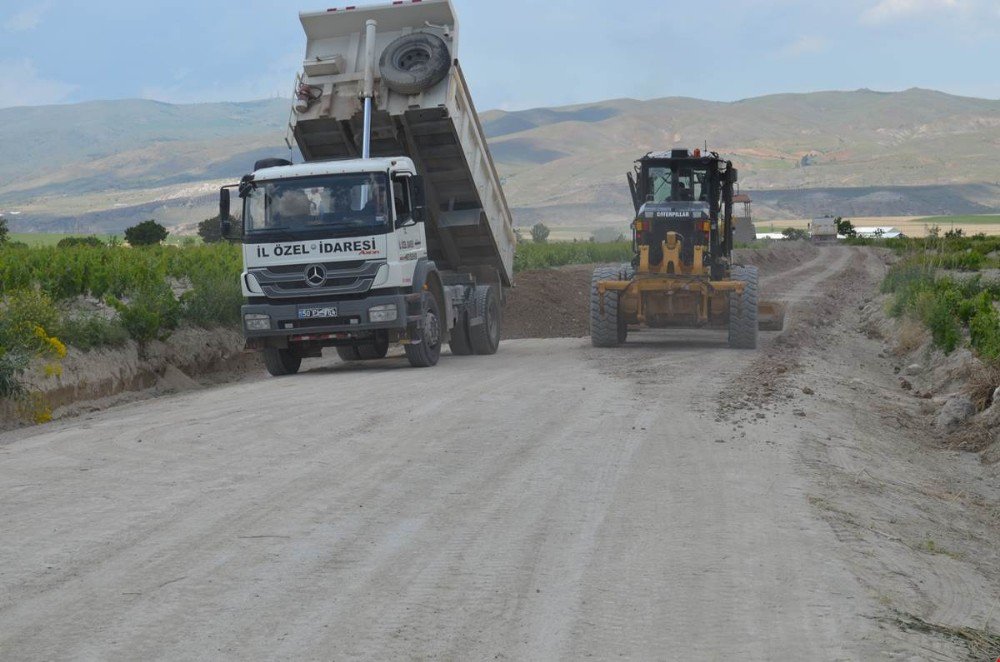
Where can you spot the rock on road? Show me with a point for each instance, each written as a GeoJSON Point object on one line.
{"type": "Point", "coordinates": [554, 501]}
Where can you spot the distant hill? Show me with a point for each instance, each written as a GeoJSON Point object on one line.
{"type": "Point", "coordinates": [103, 165]}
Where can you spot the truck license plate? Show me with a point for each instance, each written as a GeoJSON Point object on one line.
{"type": "Point", "coordinates": [316, 313]}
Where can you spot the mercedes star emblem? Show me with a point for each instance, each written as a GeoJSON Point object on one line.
{"type": "Point", "coordinates": [315, 275]}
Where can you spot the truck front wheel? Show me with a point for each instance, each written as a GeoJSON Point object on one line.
{"type": "Point", "coordinates": [281, 362]}
{"type": "Point", "coordinates": [426, 353]}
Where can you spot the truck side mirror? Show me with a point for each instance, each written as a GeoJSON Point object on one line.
{"type": "Point", "coordinates": [225, 225]}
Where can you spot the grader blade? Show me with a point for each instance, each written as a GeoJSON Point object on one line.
{"type": "Point", "coordinates": [770, 316]}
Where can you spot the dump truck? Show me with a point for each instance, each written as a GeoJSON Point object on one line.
{"type": "Point", "coordinates": [394, 229]}
{"type": "Point", "coordinates": [682, 274]}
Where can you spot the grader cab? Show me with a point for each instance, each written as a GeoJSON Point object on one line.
{"type": "Point", "coordinates": [682, 273]}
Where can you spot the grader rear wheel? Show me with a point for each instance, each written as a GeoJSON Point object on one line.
{"type": "Point", "coordinates": [743, 310]}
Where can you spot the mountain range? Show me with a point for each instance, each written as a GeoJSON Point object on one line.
{"type": "Point", "coordinates": [101, 166]}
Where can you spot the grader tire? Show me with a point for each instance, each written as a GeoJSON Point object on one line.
{"type": "Point", "coordinates": [605, 326]}
{"type": "Point", "coordinates": [743, 310]}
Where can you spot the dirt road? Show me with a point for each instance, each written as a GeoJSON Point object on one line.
{"type": "Point", "coordinates": [551, 502]}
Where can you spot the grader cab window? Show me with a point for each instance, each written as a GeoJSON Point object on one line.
{"type": "Point", "coordinates": [677, 184]}
{"type": "Point", "coordinates": [660, 183]}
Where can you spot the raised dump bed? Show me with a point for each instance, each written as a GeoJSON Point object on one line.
{"type": "Point", "coordinates": [421, 109]}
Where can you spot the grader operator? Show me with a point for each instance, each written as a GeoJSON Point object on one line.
{"type": "Point", "coordinates": [682, 274]}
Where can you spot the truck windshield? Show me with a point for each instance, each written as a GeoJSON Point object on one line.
{"type": "Point", "coordinates": [333, 205]}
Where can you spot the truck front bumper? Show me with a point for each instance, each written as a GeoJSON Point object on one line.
{"type": "Point", "coordinates": [352, 318]}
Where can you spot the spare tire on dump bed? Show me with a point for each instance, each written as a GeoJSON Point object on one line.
{"type": "Point", "coordinates": [415, 62]}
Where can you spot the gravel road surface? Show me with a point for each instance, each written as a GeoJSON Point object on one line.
{"type": "Point", "coordinates": [554, 501]}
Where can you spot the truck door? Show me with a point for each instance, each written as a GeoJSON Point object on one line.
{"type": "Point", "coordinates": [410, 234]}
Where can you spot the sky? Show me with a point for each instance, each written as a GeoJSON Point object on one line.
{"type": "Point", "coordinates": [516, 54]}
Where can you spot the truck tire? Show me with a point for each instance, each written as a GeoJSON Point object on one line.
{"type": "Point", "coordinates": [270, 163]}
{"type": "Point", "coordinates": [743, 310]}
{"type": "Point", "coordinates": [458, 340]}
{"type": "Point", "coordinates": [485, 337]}
{"type": "Point", "coordinates": [376, 349]}
{"type": "Point", "coordinates": [281, 362]}
{"type": "Point", "coordinates": [606, 327]}
{"type": "Point", "coordinates": [415, 62]}
{"type": "Point", "coordinates": [427, 352]}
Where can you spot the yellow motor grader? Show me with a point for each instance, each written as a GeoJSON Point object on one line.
{"type": "Point", "coordinates": [682, 273]}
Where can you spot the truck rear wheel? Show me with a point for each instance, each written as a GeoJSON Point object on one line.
{"type": "Point", "coordinates": [415, 62]}
{"type": "Point", "coordinates": [607, 328]}
{"type": "Point", "coordinates": [743, 310]}
{"type": "Point", "coordinates": [485, 337]}
{"type": "Point", "coordinates": [426, 353]}
{"type": "Point", "coordinates": [281, 362]}
{"type": "Point", "coordinates": [458, 339]}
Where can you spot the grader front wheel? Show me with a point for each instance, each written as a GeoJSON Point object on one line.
{"type": "Point", "coordinates": [607, 329]}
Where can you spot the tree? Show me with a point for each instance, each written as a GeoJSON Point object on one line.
{"type": "Point", "coordinates": [795, 234]}
{"type": "Point", "coordinates": [607, 235]}
{"type": "Point", "coordinates": [147, 233]}
{"type": "Point", "coordinates": [539, 233]}
{"type": "Point", "coordinates": [3, 230]}
{"type": "Point", "coordinates": [210, 230]}
{"type": "Point", "coordinates": [844, 227]}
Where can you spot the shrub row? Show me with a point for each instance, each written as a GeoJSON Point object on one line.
{"type": "Point", "coordinates": [543, 256]}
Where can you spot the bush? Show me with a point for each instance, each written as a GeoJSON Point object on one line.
{"type": "Point", "coordinates": [795, 234]}
{"type": "Point", "coordinates": [147, 233]}
{"type": "Point", "coordinates": [984, 330]}
{"type": "Point", "coordinates": [27, 320]}
{"type": "Point", "coordinates": [69, 242]}
{"type": "Point", "coordinates": [150, 313]}
{"type": "Point", "coordinates": [214, 301]}
{"type": "Point", "coordinates": [89, 331]}
{"type": "Point", "coordinates": [4, 230]}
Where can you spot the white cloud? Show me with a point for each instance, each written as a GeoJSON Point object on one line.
{"type": "Point", "coordinates": [805, 45]}
{"type": "Point", "coordinates": [889, 10]}
{"type": "Point", "coordinates": [28, 18]}
{"type": "Point", "coordinates": [21, 85]}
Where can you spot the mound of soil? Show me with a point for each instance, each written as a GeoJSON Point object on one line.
{"type": "Point", "coordinates": [549, 303]}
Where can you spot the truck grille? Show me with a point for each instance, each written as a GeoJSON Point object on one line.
{"type": "Point", "coordinates": [317, 279]}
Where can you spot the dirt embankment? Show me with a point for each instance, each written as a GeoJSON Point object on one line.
{"type": "Point", "coordinates": [96, 379]}
{"type": "Point", "coordinates": [555, 303]}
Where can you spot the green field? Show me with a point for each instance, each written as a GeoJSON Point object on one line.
{"type": "Point", "coordinates": [39, 239]}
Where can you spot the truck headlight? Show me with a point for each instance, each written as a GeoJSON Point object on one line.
{"type": "Point", "coordinates": [257, 322]}
{"type": "Point", "coordinates": [386, 313]}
